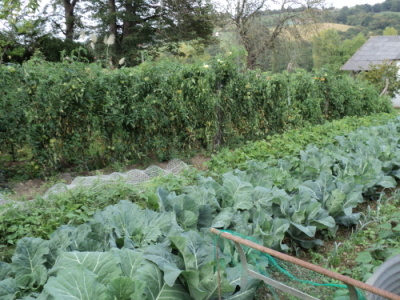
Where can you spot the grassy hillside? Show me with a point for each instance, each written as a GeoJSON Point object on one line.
{"type": "Point", "coordinates": [308, 31]}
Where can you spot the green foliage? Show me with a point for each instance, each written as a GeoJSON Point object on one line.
{"type": "Point", "coordinates": [155, 260]}
{"type": "Point", "coordinates": [349, 46]}
{"type": "Point", "coordinates": [329, 51]}
{"type": "Point", "coordinates": [73, 113]}
{"type": "Point", "coordinates": [75, 206]}
{"type": "Point", "coordinates": [325, 49]}
{"type": "Point", "coordinates": [390, 31]}
{"type": "Point", "coordinates": [129, 251]}
{"type": "Point", "coordinates": [383, 75]}
{"type": "Point", "coordinates": [381, 240]}
{"type": "Point", "coordinates": [52, 48]}
{"type": "Point", "coordinates": [292, 141]}
{"type": "Point", "coordinates": [373, 18]}
{"type": "Point", "coordinates": [150, 30]}
{"type": "Point", "coordinates": [375, 239]}
{"type": "Point", "coordinates": [8, 6]}
{"type": "Point", "coordinates": [41, 217]}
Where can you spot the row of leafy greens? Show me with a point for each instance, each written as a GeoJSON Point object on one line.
{"type": "Point", "coordinates": [125, 252]}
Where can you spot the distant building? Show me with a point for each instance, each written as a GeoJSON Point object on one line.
{"type": "Point", "coordinates": [377, 50]}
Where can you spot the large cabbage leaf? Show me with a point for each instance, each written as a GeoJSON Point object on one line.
{"type": "Point", "coordinates": [28, 262]}
{"type": "Point", "coordinates": [137, 227]}
{"type": "Point", "coordinates": [8, 289]}
{"type": "Point", "coordinates": [76, 283]}
{"type": "Point", "coordinates": [203, 283]}
{"type": "Point", "coordinates": [103, 264]}
{"type": "Point", "coordinates": [156, 288]}
{"type": "Point", "coordinates": [195, 249]}
{"type": "Point", "coordinates": [124, 288]}
{"type": "Point", "coordinates": [236, 193]}
{"type": "Point", "coordinates": [5, 270]}
{"type": "Point", "coordinates": [170, 264]}
{"type": "Point", "coordinates": [185, 208]}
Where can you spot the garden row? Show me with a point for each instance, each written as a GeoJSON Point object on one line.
{"type": "Point", "coordinates": [77, 205]}
{"type": "Point", "coordinates": [116, 253]}
{"type": "Point", "coordinates": [75, 113]}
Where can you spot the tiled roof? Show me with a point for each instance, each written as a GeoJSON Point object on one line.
{"type": "Point", "coordinates": [375, 51]}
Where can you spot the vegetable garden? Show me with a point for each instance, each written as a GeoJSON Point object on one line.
{"type": "Point", "coordinates": [79, 114]}
{"type": "Point", "coordinates": [127, 252]}
{"type": "Point", "coordinates": [289, 192]}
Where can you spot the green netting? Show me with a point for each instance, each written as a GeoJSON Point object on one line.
{"type": "Point", "coordinates": [307, 281]}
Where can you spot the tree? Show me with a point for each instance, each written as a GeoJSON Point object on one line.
{"type": "Point", "coordinates": [10, 8]}
{"type": "Point", "coordinates": [384, 77]}
{"type": "Point", "coordinates": [343, 14]}
{"type": "Point", "coordinates": [69, 10]}
{"type": "Point", "coordinates": [390, 31]}
{"type": "Point", "coordinates": [325, 49]}
{"type": "Point", "coordinates": [65, 17]}
{"type": "Point", "coordinates": [144, 24]}
{"type": "Point", "coordinates": [350, 46]}
{"type": "Point", "coordinates": [329, 51]}
{"type": "Point", "coordinates": [20, 27]}
{"type": "Point", "coordinates": [297, 54]}
{"type": "Point", "coordinates": [258, 27]}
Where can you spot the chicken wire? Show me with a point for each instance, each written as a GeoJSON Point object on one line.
{"type": "Point", "coordinates": [135, 177]}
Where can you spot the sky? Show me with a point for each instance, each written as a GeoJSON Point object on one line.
{"type": "Point", "coordinates": [350, 3]}
{"type": "Point", "coordinates": [335, 3]}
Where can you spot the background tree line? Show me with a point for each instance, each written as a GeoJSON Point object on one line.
{"type": "Point", "coordinates": [266, 36]}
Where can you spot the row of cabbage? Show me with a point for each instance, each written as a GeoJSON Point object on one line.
{"type": "Point", "coordinates": [125, 252]}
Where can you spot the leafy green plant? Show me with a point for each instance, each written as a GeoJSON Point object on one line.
{"type": "Point", "coordinates": [383, 77]}
{"type": "Point", "coordinates": [72, 113]}
{"type": "Point", "coordinates": [292, 141]}
{"type": "Point", "coordinates": [42, 216]}
{"type": "Point", "coordinates": [170, 251]}
{"type": "Point", "coordinates": [118, 254]}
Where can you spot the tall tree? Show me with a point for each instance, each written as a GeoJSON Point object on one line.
{"type": "Point", "coordinates": [70, 20]}
{"type": "Point", "coordinates": [326, 50]}
{"type": "Point", "coordinates": [144, 24]}
{"type": "Point", "coordinates": [259, 26]}
{"type": "Point", "coordinates": [65, 17]}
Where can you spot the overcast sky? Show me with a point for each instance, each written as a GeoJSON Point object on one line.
{"type": "Point", "coordinates": [335, 3]}
{"type": "Point", "coordinates": [350, 3]}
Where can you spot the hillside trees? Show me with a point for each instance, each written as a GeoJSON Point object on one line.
{"type": "Point", "coordinates": [258, 26]}
{"type": "Point", "coordinates": [390, 31]}
{"type": "Point", "coordinates": [374, 18]}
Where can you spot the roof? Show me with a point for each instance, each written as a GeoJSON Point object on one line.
{"type": "Point", "coordinates": [377, 50]}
